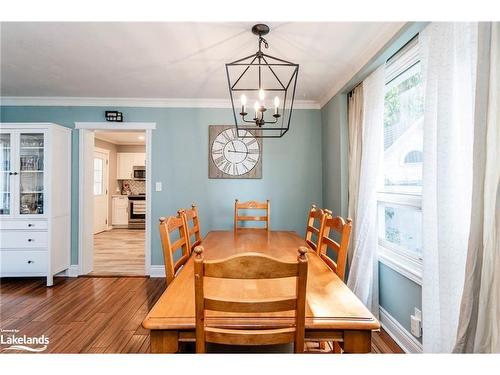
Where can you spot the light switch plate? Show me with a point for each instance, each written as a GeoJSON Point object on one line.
{"type": "Point", "coordinates": [158, 186]}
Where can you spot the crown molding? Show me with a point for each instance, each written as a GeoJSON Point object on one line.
{"type": "Point", "coordinates": [373, 60]}
{"type": "Point", "coordinates": [131, 102]}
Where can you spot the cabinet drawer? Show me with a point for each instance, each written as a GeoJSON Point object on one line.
{"type": "Point", "coordinates": [21, 262]}
{"type": "Point", "coordinates": [23, 239]}
{"type": "Point", "coordinates": [120, 202]}
{"type": "Point", "coordinates": [23, 224]}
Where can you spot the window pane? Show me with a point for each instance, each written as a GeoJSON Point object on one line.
{"type": "Point", "coordinates": [403, 120]}
{"type": "Point", "coordinates": [98, 164]}
{"type": "Point", "coordinates": [401, 226]}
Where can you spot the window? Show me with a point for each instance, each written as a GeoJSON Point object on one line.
{"type": "Point", "coordinates": [98, 176]}
{"type": "Point", "coordinates": [413, 157]}
{"type": "Point", "coordinates": [400, 189]}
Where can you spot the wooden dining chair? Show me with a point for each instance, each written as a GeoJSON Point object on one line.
{"type": "Point", "coordinates": [250, 266]}
{"type": "Point", "coordinates": [191, 216]}
{"type": "Point", "coordinates": [167, 226]}
{"type": "Point", "coordinates": [251, 205]}
{"type": "Point", "coordinates": [343, 227]}
{"type": "Point", "coordinates": [316, 216]}
{"type": "Point", "coordinates": [325, 242]}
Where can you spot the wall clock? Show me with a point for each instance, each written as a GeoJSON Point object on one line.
{"type": "Point", "coordinates": [233, 157]}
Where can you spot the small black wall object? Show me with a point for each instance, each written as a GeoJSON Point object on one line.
{"type": "Point", "coordinates": [114, 116]}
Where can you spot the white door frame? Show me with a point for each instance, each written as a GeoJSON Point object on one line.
{"type": "Point", "coordinates": [84, 215]}
{"type": "Point", "coordinates": [106, 152]}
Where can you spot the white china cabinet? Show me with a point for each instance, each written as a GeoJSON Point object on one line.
{"type": "Point", "coordinates": [35, 199]}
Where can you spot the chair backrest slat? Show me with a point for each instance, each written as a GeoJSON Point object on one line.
{"type": "Point", "coordinates": [259, 306]}
{"type": "Point", "coordinates": [250, 266]}
{"type": "Point", "coordinates": [316, 215]}
{"type": "Point", "coordinates": [255, 266]}
{"type": "Point", "coordinates": [343, 228]}
{"type": "Point", "coordinates": [191, 216]}
{"type": "Point", "coordinates": [251, 205]}
{"type": "Point", "coordinates": [167, 226]}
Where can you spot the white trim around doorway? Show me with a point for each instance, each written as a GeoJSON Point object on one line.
{"type": "Point", "coordinates": [85, 127]}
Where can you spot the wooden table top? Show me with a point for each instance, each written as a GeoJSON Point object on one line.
{"type": "Point", "coordinates": [330, 304]}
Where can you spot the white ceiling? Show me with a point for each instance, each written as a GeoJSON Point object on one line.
{"type": "Point", "coordinates": [176, 60]}
{"type": "Point", "coordinates": [122, 138]}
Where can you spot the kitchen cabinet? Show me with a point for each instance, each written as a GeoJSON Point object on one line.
{"type": "Point", "coordinates": [35, 199]}
{"type": "Point", "coordinates": [119, 210]}
{"type": "Point", "coordinates": [125, 164]}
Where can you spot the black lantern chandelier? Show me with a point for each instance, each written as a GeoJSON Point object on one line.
{"type": "Point", "coordinates": [269, 82]}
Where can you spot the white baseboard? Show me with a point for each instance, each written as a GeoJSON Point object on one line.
{"type": "Point", "coordinates": [72, 271]}
{"type": "Point", "coordinates": [403, 338]}
{"type": "Point", "coordinates": [157, 271]}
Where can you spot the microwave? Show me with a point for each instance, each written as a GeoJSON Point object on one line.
{"type": "Point", "coordinates": [139, 173]}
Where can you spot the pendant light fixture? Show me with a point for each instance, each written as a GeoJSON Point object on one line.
{"type": "Point", "coordinates": [262, 90]}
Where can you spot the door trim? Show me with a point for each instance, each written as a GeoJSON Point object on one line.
{"type": "Point", "coordinates": [84, 127]}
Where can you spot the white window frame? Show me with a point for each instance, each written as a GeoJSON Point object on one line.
{"type": "Point", "coordinates": [102, 178]}
{"type": "Point", "coordinates": [405, 262]}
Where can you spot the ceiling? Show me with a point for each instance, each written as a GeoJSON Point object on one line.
{"type": "Point", "coordinates": [176, 60]}
{"type": "Point", "coordinates": [122, 138]}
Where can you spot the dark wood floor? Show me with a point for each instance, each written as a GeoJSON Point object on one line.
{"type": "Point", "coordinates": [94, 314]}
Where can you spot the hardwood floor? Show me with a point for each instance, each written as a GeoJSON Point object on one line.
{"type": "Point", "coordinates": [119, 252]}
{"type": "Point", "coordinates": [94, 314]}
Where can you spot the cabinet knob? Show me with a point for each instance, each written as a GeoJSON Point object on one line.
{"type": "Point", "coordinates": [31, 225]}
{"type": "Point", "coordinates": [30, 240]}
{"type": "Point", "coordinates": [30, 261]}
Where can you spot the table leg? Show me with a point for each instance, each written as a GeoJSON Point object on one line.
{"type": "Point", "coordinates": [164, 341]}
{"type": "Point", "coordinates": [357, 341]}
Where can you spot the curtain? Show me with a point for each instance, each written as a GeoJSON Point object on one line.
{"type": "Point", "coordinates": [449, 57]}
{"type": "Point", "coordinates": [355, 125]}
{"type": "Point", "coordinates": [479, 324]}
{"type": "Point", "coordinates": [363, 273]}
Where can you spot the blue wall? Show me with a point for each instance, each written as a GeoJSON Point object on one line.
{"type": "Point", "coordinates": [292, 177]}
{"type": "Point", "coordinates": [335, 148]}
{"type": "Point", "coordinates": [398, 295]}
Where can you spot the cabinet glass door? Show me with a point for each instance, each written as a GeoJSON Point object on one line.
{"type": "Point", "coordinates": [31, 173]}
{"type": "Point", "coordinates": [5, 173]}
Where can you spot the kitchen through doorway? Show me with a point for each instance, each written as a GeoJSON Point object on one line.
{"type": "Point", "coordinates": [119, 188]}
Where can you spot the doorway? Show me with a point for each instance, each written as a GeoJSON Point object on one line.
{"type": "Point", "coordinates": [114, 237]}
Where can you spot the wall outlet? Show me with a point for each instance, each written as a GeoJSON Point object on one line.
{"type": "Point", "coordinates": [416, 323]}
{"type": "Point", "coordinates": [158, 186]}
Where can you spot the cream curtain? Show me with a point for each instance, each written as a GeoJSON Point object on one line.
{"type": "Point", "coordinates": [449, 58]}
{"type": "Point", "coordinates": [355, 124]}
{"type": "Point", "coordinates": [479, 325]}
{"type": "Point", "coordinates": [363, 273]}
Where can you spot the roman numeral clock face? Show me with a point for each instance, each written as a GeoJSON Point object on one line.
{"type": "Point", "coordinates": [235, 156]}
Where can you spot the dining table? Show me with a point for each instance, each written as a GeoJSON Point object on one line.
{"type": "Point", "coordinates": [333, 311]}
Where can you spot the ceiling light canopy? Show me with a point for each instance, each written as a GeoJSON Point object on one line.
{"type": "Point", "coordinates": [266, 84]}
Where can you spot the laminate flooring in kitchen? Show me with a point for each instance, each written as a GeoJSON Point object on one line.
{"type": "Point", "coordinates": [119, 252]}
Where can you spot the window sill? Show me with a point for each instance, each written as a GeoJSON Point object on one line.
{"type": "Point", "coordinates": [409, 267]}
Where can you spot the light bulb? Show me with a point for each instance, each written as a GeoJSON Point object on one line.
{"type": "Point", "coordinates": [243, 100]}
{"type": "Point", "coordinates": [262, 94]}
{"type": "Point", "coordinates": [256, 107]}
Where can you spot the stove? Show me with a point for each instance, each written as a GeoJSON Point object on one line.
{"type": "Point", "coordinates": [137, 211]}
